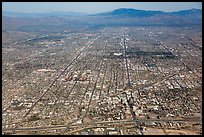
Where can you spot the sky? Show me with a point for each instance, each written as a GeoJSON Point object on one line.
{"type": "Point", "coordinates": [95, 7]}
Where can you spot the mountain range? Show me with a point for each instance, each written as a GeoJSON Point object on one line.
{"type": "Point", "coordinates": [118, 17]}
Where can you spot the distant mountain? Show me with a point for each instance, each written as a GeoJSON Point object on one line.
{"type": "Point", "coordinates": [35, 15]}
{"type": "Point", "coordinates": [188, 12]}
{"type": "Point", "coordinates": [147, 13]}
{"type": "Point", "coordinates": [41, 24]}
{"type": "Point", "coordinates": [123, 12]}
{"type": "Point", "coordinates": [146, 17]}
{"type": "Point", "coordinates": [58, 21]}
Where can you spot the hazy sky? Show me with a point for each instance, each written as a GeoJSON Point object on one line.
{"type": "Point", "coordinates": [95, 7]}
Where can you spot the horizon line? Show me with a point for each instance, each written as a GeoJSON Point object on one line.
{"type": "Point", "coordinates": [93, 13]}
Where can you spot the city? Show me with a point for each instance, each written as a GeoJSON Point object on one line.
{"type": "Point", "coordinates": [97, 68]}
{"type": "Point", "coordinates": [129, 80]}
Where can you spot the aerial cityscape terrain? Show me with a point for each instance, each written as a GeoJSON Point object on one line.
{"type": "Point", "coordinates": [115, 79]}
